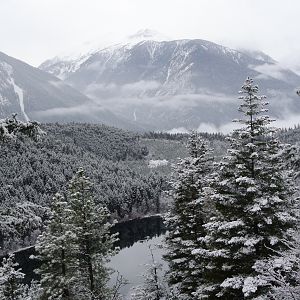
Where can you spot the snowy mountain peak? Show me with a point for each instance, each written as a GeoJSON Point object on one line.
{"type": "Point", "coordinates": [148, 34]}
{"type": "Point", "coordinates": [69, 62]}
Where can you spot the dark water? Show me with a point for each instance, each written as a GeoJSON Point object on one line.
{"type": "Point", "coordinates": [130, 232]}
{"type": "Point", "coordinates": [138, 229]}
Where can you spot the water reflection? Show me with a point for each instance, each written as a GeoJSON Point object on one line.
{"type": "Point", "coordinates": [138, 229]}
{"type": "Point", "coordinates": [130, 262]}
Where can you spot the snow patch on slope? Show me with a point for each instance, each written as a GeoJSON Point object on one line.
{"type": "Point", "coordinates": [19, 92]}
{"type": "Point", "coordinates": [20, 95]}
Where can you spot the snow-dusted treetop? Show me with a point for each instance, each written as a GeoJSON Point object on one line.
{"type": "Point", "coordinates": [10, 128]}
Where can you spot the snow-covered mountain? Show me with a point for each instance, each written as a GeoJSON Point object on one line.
{"type": "Point", "coordinates": [65, 64]}
{"type": "Point", "coordinates": [35, 94]}
{"type": "Point", "coordinates": [168, 84]}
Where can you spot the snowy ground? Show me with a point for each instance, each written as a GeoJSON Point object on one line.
{"type": "Point", "coordinates": [157, 163]}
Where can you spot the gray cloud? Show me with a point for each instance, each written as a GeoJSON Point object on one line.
{"type": "Point", "coordinates": [178, 130]}
{"type": "Point", "coordinates": [65, 111]}
{"type": "Point", "coordinates": [288, 122]}
{"type": "Point", "coordinates": [211, 128]}
{"type": "Point", "coordinates": [288, 119]}
{"type": "Point", "coordinates": [140, 86]}
{"type": "Point", "coordinates": [225, 128]}
{"type": "Point", "coordinates": [270, 70]}
{"type": "Point", "coordinates": [136, 94]}
{"type": "Point", "coordinates": [58, 83]}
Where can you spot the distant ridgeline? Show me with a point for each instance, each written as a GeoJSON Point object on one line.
{"type": "Point", "coordinates": [182, 136]}
{"type": "Point", "coordinates": [32, 172]}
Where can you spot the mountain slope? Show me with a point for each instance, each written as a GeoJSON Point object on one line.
{"type": "Point", "coordinates": [35, 94]}
{"type": "Point", "coordinates": [28, 90]}
{"type": "Point", "coordinates": [181, 83]}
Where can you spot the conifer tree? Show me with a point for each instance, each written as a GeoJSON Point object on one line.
{"type": "Point", "coordinates": [11, 287]}
{"type": "Point", "coordinates": [187, 217]}
{"type": "Point", "coordinates": [56, 247]}
{"type": "Point", "coordinates": [252, 197]}
{"type": "Point", "coordinates": [94, 243]}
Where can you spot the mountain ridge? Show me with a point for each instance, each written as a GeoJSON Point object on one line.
{"type": "Point", "coordinates": [178, 83]}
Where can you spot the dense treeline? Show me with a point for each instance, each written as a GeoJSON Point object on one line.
{"type": "Point", "coordinates": [182, 136]}
{"type": "Point", "coordinates": [291, 135]}
{"type": "Point", "coordinates": [107, 142]}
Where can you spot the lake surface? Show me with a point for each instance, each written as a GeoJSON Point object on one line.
{"type": "Point", "coordinates": [130, 262]}
{"type": "Point", "coordinates": [135, 237]}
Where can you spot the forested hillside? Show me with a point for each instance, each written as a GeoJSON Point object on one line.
{"type": "Point", "coordinates": [104, 141]}
{"type": "Point", "coordinates": [32, 172]}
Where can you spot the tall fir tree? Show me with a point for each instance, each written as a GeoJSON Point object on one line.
{"type": "Point", "coordinates": [252, 195]}
{"type": "Point", "coordinates": [94, 242]}
{"type": "Point", "coordinates": [76, 246]}
{"type": "Point", "coordinates": [187, 216]}
{"type": "Point", "coordinates": [56, 248]}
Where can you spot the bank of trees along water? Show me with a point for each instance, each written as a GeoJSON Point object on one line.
{"type": "Point", "coordinates": [233, 225]}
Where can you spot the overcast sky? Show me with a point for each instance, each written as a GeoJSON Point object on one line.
{"type": "Point", "coordinates": [34, 30]}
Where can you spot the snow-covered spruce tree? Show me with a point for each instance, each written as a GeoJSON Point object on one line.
{"type": "Point", "coordinates": [56, 249]}
{"type": "Point", "coordinates": [253, 198]}
{"type": "Point", "coordinates": [153, 287]}
{"type": "Point", "coordinates": [188, 214]}
{"type": "Point", "coordinates": [94, 243]}
{"type": "Point", "coordinates": [11, 287]}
